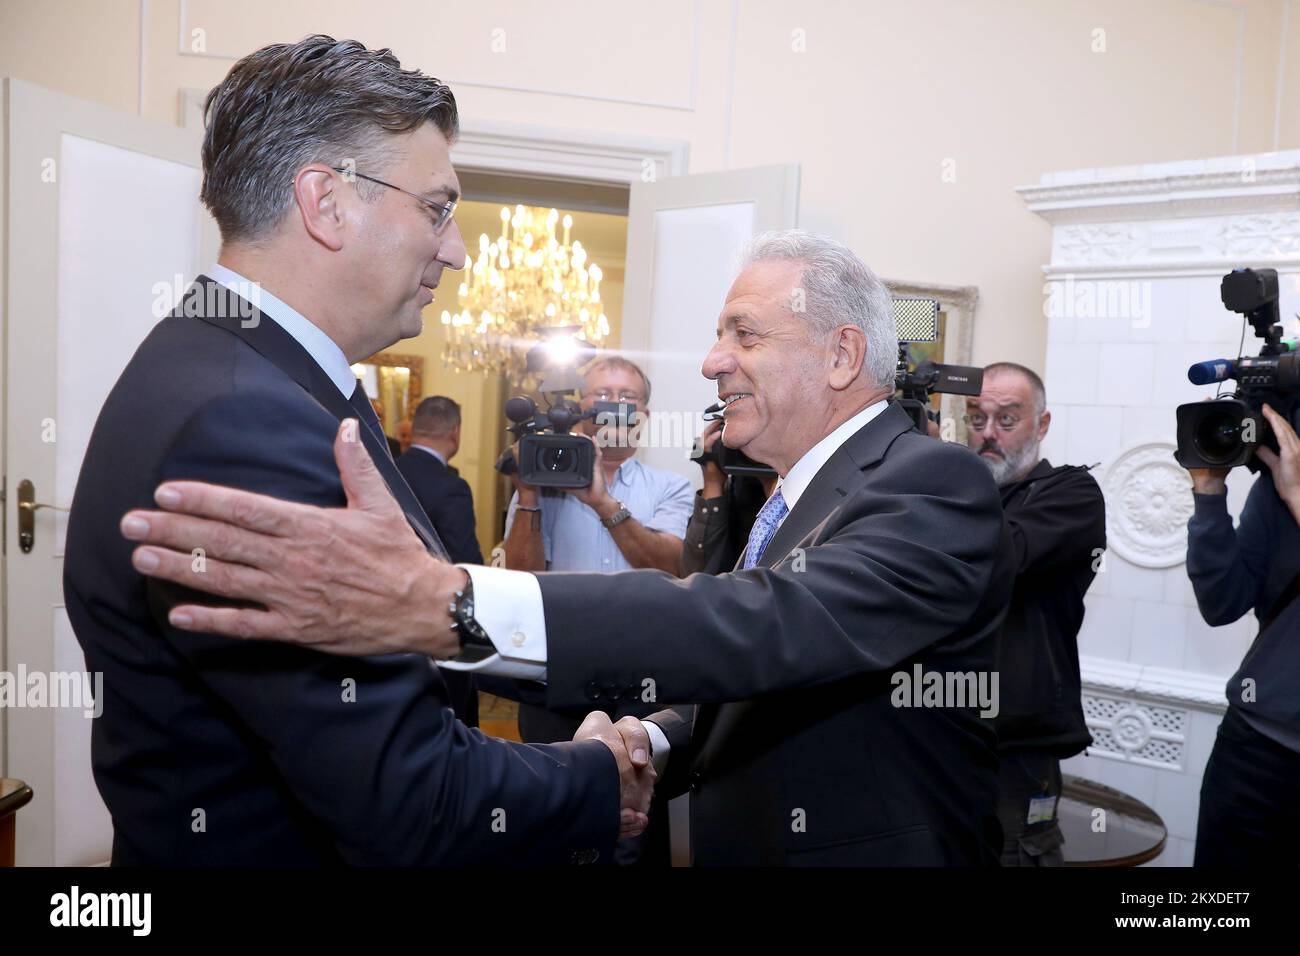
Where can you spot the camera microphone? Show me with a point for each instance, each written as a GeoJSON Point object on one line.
{"type": "Point", "coordinates": [1214, 370]}
{"type": "Point", "coordinates": [521, 408]}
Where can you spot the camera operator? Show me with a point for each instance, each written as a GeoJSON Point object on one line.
{"type": "Point", "coordinates": [724, 513]}
{"type": "Point", "coordinates": [1250, 794]}
{"type": "Point", "coordinates": [1056, 518]}
{"type": "Point", "coordinates": [630, 516]}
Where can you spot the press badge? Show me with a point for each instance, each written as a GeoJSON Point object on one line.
{"type": "Point", "coordinates": [1041, 809]}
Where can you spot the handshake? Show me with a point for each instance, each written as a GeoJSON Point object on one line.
{"type": "Point", "coordinates": [636, 775]}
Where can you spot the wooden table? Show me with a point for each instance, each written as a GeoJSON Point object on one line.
{"type": "Point", "coordinates": [1134, 833]}
{"type": "Point", "coordinates": [13, 794]}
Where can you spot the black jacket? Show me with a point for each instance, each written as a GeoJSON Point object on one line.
{"type": "Point", "coordinates": [447, 501]}
{"type": "Point", "coordinates": [795, 753]}
{"type": "Point", "coordinates": [1057, 522]}
{"type": "Point", "coordinates": [294, 757]}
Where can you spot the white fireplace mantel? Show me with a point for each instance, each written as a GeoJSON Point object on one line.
{"type": "Point", "coordinates": [1131, 299]}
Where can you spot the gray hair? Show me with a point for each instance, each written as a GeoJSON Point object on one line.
{"type": "Point", "coordinates": [836, 288]}
{"type": "Point", "coordinates": [290, 104]}
{"type": "Point", "coordinates": [1036, 385]}
{"type": "Point", "coordinates": [617, 361]}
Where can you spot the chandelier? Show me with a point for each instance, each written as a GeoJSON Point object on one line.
{"type": "Point", "coordinates": [523, 288]}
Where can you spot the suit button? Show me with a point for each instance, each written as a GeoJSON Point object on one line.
{"type": "Point", "coordinates": [593, 691]}
{"type": "Point", "coordinates": [696, 778]}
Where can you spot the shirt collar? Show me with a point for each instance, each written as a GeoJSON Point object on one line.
{"type": "Point", "coordinates": [796, 482]}
{"type": "Point", "coordinates": [432, 451]}
{"type": "Point", "coordinates": [323, 349]}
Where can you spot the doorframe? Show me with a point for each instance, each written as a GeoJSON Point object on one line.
{"type": "Point", "coordinates": [542, 152]}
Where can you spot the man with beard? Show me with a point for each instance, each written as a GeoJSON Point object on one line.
{"type": "Point", "coordinates": [1057, 522]}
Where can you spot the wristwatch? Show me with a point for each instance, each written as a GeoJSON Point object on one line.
{"type": "Point", "coordinates": [472, 636]}
{"type": "Point", "coordinates": [618, 517]}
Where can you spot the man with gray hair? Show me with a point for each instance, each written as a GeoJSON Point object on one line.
{"type": "Point", "coordinates": [1056, 518]}
{"type": "Point", "coordinates": [873, 567]}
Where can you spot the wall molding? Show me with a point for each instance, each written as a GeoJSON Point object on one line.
{"type": "Point", "coordinates": [541, 152]}
{"type": "Point", "coordinates": [1157, 684]}
{"type": "Point", "coordinates": [571, 154]}
{"type": "Point", "coordinates": [1223, 186]}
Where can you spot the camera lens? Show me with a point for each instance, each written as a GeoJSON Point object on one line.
{"type": "Point", "coordinates": [556, 459]}
{"type": "Point", "coordinates": [1218, 438]}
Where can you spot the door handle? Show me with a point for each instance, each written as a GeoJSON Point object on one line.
{"type": "Point", "coordinates": [27, 508]}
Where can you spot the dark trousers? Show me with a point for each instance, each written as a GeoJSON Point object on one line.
{"type": "Point", "coordinates": [1024, 776]}
{"type": "Point", "coordinates": [1250, 800]}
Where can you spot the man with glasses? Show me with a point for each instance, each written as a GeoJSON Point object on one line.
{"type": "Point", "coordinates": [327, 167]}
{"type": "Point", "coordinates": [630, 516]}
{"type": "Point", "coordinates": [1057, 522]}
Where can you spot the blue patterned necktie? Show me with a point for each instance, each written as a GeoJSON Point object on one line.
{"type": "Point", "coordinates": [769, 516]}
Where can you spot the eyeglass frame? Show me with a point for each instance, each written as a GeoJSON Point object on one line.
{"type": "Point", "coordinates": [445, 210]}
{"type": "Point", "coordinates": [966, 418]}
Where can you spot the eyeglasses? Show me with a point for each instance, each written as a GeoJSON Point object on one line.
{"type": "Point", "coordinates": [978, 421]}
{"type": "Point", "coordinates": [443, 211]}
{"type": "Point", "coordinates": [605, 395]}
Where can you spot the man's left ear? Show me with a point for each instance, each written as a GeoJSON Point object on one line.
{"type": "Point", "coordinates": [1043, 424]}
{"type": "Point", "coordinates": [848, 352]}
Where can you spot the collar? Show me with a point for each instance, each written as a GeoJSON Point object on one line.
{"type": "Point", "coordinates": [794, 484]}
{"type": "Point", "coordinates": [318, 345]}
{"type": "Point", "coordinates": [432, 451]}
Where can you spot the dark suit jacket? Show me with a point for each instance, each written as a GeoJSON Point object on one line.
{"type": "Point", "coordinates": [895, 555]}
{"type": "Point", "coordinates": [230, 752]}
{"type": "Point", "coordinates": [447, 500]}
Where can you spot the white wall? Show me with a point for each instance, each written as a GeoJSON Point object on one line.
{"type": "Point", "coordinates": [871, 98]}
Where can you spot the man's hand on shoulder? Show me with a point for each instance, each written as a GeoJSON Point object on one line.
{"type": "Point", "coordinates": [355, 581]}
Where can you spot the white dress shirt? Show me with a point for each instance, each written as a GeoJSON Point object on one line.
{"type": "Point", "coordinates": [508, 604]}
{"type": "Point", "coordinates": [323, 349]}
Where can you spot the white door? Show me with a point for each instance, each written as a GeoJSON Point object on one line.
{"type": "Point", "coordinates": [683, 237]}
{"type": "Point", "coordinates": [104, 229]}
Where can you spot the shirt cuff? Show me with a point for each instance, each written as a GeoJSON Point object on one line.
{"type": "Point", "coordinates": [659, 746]}
{"type": "Point", "coordinates": [508, 606]}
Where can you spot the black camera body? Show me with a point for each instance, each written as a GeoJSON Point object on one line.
{"type": "Point", "coordinates": [549, 456]}
{"type": "Point", "coordinates": [1224, 433]}
{"type": "Point", "coordinates": [916, 383]}
{"type": "Point", "coordinates": [730, 460]}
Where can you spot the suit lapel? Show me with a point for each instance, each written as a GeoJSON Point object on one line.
{"type": "Point", "coordinates": [832, 484]}
{"type": "Point", "coordinates": [272, 342]}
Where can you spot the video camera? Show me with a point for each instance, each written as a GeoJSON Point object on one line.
{"type": "Point", "coordinates": [551, 457]}
{"type": "Point", "coordinates": [730, 460]}
{"type": "Point", "coordinates": [918, 322]}
{"type": "Point", "coordinates": [1225, 432]}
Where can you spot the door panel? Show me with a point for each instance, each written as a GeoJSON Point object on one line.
{"type": "Point", "coordinates": [103, 230]}
{"type": "Point", "coordinates": [684, 235]}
